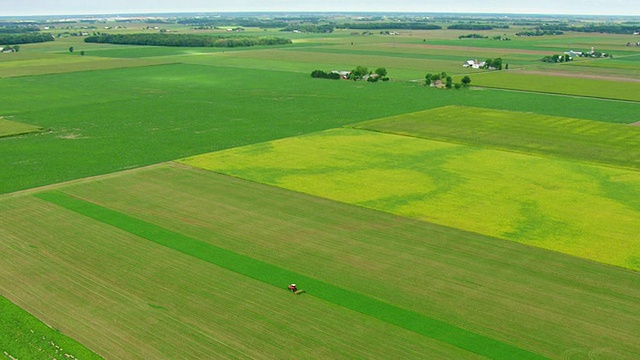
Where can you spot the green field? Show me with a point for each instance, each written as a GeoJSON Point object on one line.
{"type": "Point", "coordinates": [138, 257]}
{"type": "Point", "coordinates": [576, 208]}
{"type": "Point", "coordinates": [574, 139]}
{"type": "Point", "coordinates": [599, 88]}
{"type": "Point", "coordinates": [109, 120]}
{"type": "Point", "coordinates": [23, 336]}
{"type": "Point", "coordinates": [234, 247]}
{"type": "Point", "coordinates": [12, 128]}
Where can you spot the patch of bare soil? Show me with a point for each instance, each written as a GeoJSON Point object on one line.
{"type": "Point", "coordinates": [72, 136]}
{"type": "Point", "coordinates": [635, 124]}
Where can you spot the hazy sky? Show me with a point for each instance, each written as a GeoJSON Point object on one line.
{"type": "Point", "coordinates": [578, 7]}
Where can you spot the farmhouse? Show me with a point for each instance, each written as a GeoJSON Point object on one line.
{"type": "Point", "coordinates": [343, 73]}
{"type": "Point", "coordinates": [573, 54]}
{"type": "Point", "coordinates": [475, 64]}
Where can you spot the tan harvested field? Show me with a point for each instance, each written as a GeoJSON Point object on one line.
{"type": "Point", "coordinates": [126, 297]}
{"type": "Point", "coordinates": [126, 292]}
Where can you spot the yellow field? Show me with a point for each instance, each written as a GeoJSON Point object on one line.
{"type": "Point", "coordinates": [575, 208]}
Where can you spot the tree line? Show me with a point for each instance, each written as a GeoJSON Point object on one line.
{"type": "Point", "coordinates": [221, 22]}
{"type": "Point", "coordinates": [389, 25]}
{"type": "Point", "coordinates": [29, 38]}
{"type": "Point", "coordinates": [186, 40]}
{"type": "Point", "coordinates": [593, 28]}
{"type": "Point", "coordinates": [18, 29]}
{"type": "Point", "coordinates": [309, 28]}
{"type": "Point", "coordinates": [539, 32]}
{"type": "Point", "coordinates": [476, 27]}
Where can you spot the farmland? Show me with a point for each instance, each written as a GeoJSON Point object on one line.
{"type": "Point", "coordinates": [590, 214]}
{"type": "Point", "coordinates": [156, 201]}
{"type": "Point", "coordinates": [323, 245]}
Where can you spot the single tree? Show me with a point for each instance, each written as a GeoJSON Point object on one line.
{"type": "Point", "coordinates": [449, 82]}
{"type": "Point", "coordinates": [382, 72]}
{"type": "Point", "coordinates": [71, 49]}
{"type": "Point", "coordinates": [497, 63]}
{"type": "Point", "coordinates": [466, 81]}
{"type": "Point", "coordinates": [82, 52]}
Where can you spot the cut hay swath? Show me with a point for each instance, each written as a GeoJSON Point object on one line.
{"type": "Point", "coordinates": [274, 275]}
{"type": "Point", "coordinates": [497, 289]}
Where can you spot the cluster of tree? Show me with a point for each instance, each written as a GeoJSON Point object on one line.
{"type": "Point", "coordinates": [363, 73]}
{"type": "Point", "coordinates": [28, 38]}
{"type": "Point", "coordinates": [501, 38]}
{"type": "Point", "coordinates": [593, 28]}
{"type": "Point", "coordinates": [539, 32]}
{"type": "Point", "coordinates": [186, 40]}
{"type": "Point", "coordinates": [476, 27]}
{"type": "Point", "coordinates": [472, 36]}
{"type": "Point", "coordinates": [557, 58]}
{"type": "Point", "coordinates": [319, 74]}
{"type": "Point", "coordinates": [14, 29]}
{"type": "Point", "coordinates": [388, 25]}
{"type": "Point", "coordinates": [596, 54]}
{"type": "Point", "coordinates": [493, 64]}
{"type": "Point", "coordinates": [309, 28]}
{"type": "Point", "coordinates": [443, 80]}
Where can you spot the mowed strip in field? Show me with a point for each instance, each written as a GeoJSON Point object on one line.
{"type": "Point", "coordinates": [126, 297]}
{"type": "Point", "coordinates": [543, 302]}
{"type": "Point", "coordinates": [574, 139]}
{"type": "Point", "coordinates": [573, 207]}
{"type": "Point", "coordinates": [277, 276]}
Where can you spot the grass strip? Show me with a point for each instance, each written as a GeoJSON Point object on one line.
{"type": "Point", "coordinates": [23, 336]}
{"type": "Point", "coordinates": [279, 277]}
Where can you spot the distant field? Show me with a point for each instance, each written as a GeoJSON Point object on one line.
{"type": "Point", "coordinates": [575, 208]}
{"type": "Point", "coordinates": [109, 120]}
{"type": "Point", "coordinates": [576, 139]}
{"type": "Point", "coordinates": [11, 128]}
{"type": "Point", "coordinates": [102, 245]}
{"type": "Point", "coordinates": [56, 63]}
{"type": "Point", "coordinates": [23, 336]}
{"type": "Point", "coordinates": [599, 88]}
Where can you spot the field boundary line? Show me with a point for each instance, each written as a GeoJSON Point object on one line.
{"type": "Point", "coordinates": [279, 277]}
{"type": "Point", "coordinates": [81, 180]}
{"type": "Point", "coordinates": [478, 87]}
